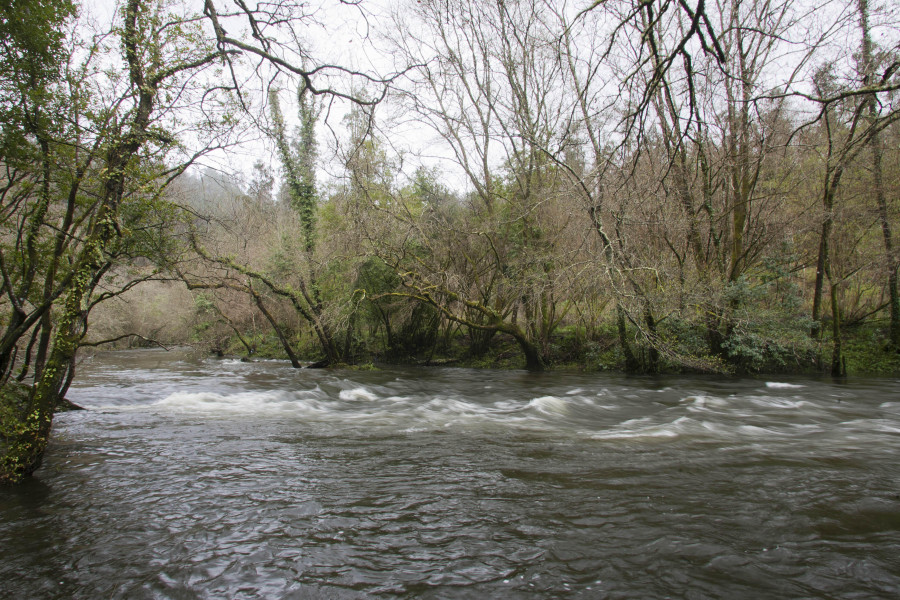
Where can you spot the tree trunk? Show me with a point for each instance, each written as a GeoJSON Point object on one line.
{"type": "Point", "coordinates": [820, 279]}
{"type": "Point", "coordinates": [652, 351]}
{"type": "Point", "coordinates": [534, 361]}
{"type": "Point", "coordinates": [285, 344]}
{"type": "Point", "coordinates": [631, 363]}
{"type": "Point", "coordinates": [838, 365]}
{"type": "Point", "coordinates": [823, 261]}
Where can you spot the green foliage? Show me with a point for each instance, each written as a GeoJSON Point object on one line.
{"type": "Point", "coordinates": [603, 356]}
{"type": "Point", "coordinates": [204, 304]}
{"type": "Point", "coordinates": [206, 313]}
{"type": "Point", "coordinates": [376, 277]}
{"type": "Point", "coordinates": [766, 329]}
{"type": "Point", "coordinates": [868, 351]}
{"type": "Point", "coordinates": [779, 277]}
{"type": "Point", "coordinates": [32, 33]}
{"type": "Point", "coordinates": [87, 150]}
{"type": "Point", "coordinates": [298, 157]}
{"type": "Point", "coordinates": [771, 344]}
{"type": "Point", "coordinates": [20, 433]}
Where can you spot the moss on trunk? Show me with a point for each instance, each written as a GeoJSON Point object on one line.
{"type": "Point", "coordinates": [23, 433]}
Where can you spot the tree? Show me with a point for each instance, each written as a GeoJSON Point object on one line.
{"type": "Point", "coordinates": [490, 95]}
{"type": "Point", "coordinates": [867, 68]}
{"type": "Point", "coordinates": [100, 161]}
{"type": "Point", "coordinates": [275, 49]}
{"type": "Point", "coordinates": [291, 268]}
{"type": "Point", "coordinates": [849, 127]}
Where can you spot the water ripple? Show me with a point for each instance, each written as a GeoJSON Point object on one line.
{"type": "Point", "coordinates": [234, 480]}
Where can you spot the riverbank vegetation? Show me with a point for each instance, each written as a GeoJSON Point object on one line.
{"type": "Point", "coordinates": [639, 186]}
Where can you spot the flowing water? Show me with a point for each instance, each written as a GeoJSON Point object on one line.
{"type": "Point", "coordinates": [191, 478]}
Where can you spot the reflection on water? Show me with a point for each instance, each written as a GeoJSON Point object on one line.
{"type": "Point", "coordinates": [219, 479]}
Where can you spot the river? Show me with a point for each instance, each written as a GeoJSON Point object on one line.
{"type": "Point", "coordinates": [208, 478]}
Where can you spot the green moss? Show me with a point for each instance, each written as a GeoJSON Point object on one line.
{"type": "Point", "coordinates": [19, 433]}
{"type": "Point", "coordinates": [363, 367]}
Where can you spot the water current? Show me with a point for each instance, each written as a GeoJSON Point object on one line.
{"type": "Point", "coordinates": [192, 477]}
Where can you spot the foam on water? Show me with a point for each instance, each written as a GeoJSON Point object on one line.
{"type": "Point", "coordinates": [775, 402]}
{"type": "Point", "coordinates": [256, 403]}
{"type": "Point", "coordinates": [453, 407]}
{"type": "Point", "coordinates": [703, 403]}
{"type": "Point", "coordinates": [433, 401]}
{"type": "Point", "coordinates": [761, 432]}
{"type": "Point", "coordinates": [231, 361]}
{"type": "Point", "coordinates": [867, 425]}
{"type": "Point", "coordinates": [362, 406]}
{"type": "Point", "coordinates": [548, 405]}
{"type": "Point", "coordinates": [642, 428]}
{"type": "Point", "coordinates": [579, 415]}
{"type": "Point", "coordinates": [693, 428]}
{"type": "Point", "coordinates": [357, 394]}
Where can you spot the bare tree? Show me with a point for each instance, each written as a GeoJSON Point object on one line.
{"type": "Point", "coordinates": [868, 66]}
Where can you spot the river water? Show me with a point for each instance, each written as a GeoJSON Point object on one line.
{"type": "Point", "coordinates": [207, 478]}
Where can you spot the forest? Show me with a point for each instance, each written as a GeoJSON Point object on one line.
{"type": "Point", "coordinates": [635, 185]}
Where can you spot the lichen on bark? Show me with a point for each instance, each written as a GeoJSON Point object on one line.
{"type": "Point", "coordinates": [22, 433]}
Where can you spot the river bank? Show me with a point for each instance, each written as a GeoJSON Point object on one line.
{"type": "Point", "coordinates": [866, 351]}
